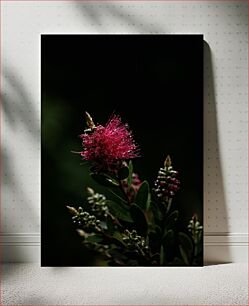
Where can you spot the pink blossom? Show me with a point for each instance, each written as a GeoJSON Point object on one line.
{"type": "Point", "coordinates": [132, 190]}
{"type": "Point", "coordinates": [107, 146]}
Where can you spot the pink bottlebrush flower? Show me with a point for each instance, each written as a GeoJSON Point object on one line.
{"type": "Point", "coordinates": [108, 146]}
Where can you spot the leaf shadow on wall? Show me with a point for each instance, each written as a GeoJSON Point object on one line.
{"type": "Point", "coordinates": [96, 14]}
{"type": "Point", "coordinates": [20, 118]}
{"type": "Point", "coordinates": [215, 208]}
{"type": "Point", "coordinates": [17, 105]}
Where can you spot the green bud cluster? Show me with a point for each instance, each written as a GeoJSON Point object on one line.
{"type": "Point", "coordinates": [85, 220]}
{"type": "Point", "coordinates": [134, 242]}
{"type": "Point", "coordinates": [97, 202]}
{"type": "Point", "coordinates": [195, 228]}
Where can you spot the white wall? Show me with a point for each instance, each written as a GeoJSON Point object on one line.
{"type": "Point", "coordinates": [224, 25]}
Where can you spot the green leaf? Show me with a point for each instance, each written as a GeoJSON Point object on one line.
{"type": "Point", "coordinates": [142, 196]}
{"type": "Point", "coordinates": [184, 255]}
{"type": "Point", "coordinates": [119, 210]}
{"type": "Point", "coordinates": [110, 225]}
{"type": "Point", "coordinates": [140, 220]}
{"type": "Point", "coordinates": [93, 239]}
{"type": "Point", "coordinates": [158, 230]}
{"type": "Point", "coordinates": [168, 238]}
{"type": "Point", "coordinates": [167, 242]}
{"type": "Point", "coordinates": [156, 211]}
{"type": "Point", "coordinates": [117, 196]}
{"type": "Point", "coordinates": [104, 180]}
{"type": "Point", "coordinates": [148, 201]}
{"type": "Point", "coordinates": [177, 262]}
{"type": "Point", "coordinates": [129, 179]}
{"type": "Point", "coordinates": [171, 219]}
{"type": "Point", "coordinates": [186, 242]}
{"type": "Point", "coordinates": [119, 238]}
{"type": "Point", "coordinates": [116, 254]}
{"type": "Point", "coordinates": [123, 173]}
{"type": "Point", "coordinates": [186, 247]}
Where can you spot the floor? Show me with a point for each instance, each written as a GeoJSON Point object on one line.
{"type": "Point", "coordinates": [29, 284]}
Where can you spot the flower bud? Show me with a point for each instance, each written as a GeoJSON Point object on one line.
{"type": "Point", "coordinates": [167, 162]}
{"type": "Point", "coordinates": [90, 191]}
{"type": "Point", "coordinates": [89, 121]}
{"type": "Point", "coordinates": [72, 210]}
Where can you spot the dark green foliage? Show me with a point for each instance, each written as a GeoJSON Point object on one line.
{"type": "Point", "coordinates": [142, 196]}
{"type": "Point", "coordinates": [119, 210]}
{"type": "Point", "coordinates": [129, 179]}
{"type": "Point", "coordinates": [168, 238]}
{"type": "Point", "coordinates": [139, 219]}
{"type": "Point", "coordinates": [186, 242]}
{"type": "Point", "coordinates": [186, 247]}
{"type": "Point", "coordinates": [93, 239]}
{"type": "Point", "coordinates": [104, 179]}
{"type": "Point", "coordinates": [110, 225]}
{"type": "Point", "coordinates": [138, 228]}
{"type": "Point", "coordinates": [168, 245]}
{"type": "Point", "coordinates": [171, 219]}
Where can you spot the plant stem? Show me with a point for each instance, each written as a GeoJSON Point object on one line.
{"type": "Point", "coordinates": [115, 220]}
{"type": "Point", "coordinates": [169, 205]}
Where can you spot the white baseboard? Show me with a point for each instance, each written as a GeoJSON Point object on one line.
{"type": "Point", "coordinates": [20, 247]}
{"type": "Point", "coordinates": [218, 247]}
{"type": "Point", "coordinates": [225, 247]}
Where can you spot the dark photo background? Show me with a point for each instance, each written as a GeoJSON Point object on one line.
{"type": "Point", "coordinates": [155, 83]}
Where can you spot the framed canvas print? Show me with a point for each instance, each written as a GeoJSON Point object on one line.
{"type": "Point", "coordinates": [122, 150]}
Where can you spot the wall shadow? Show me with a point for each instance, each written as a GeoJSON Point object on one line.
{"type": "Point", "coordinates": [18, 116]}
{"type": "Point", "coordinates": [13, 185]}
{"type": "Point", "coordinates": [93, 13]}
{"type": "Point", "coordinates": [215, 208]}
{"type": "Point", "coordinates": [17, 105]}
